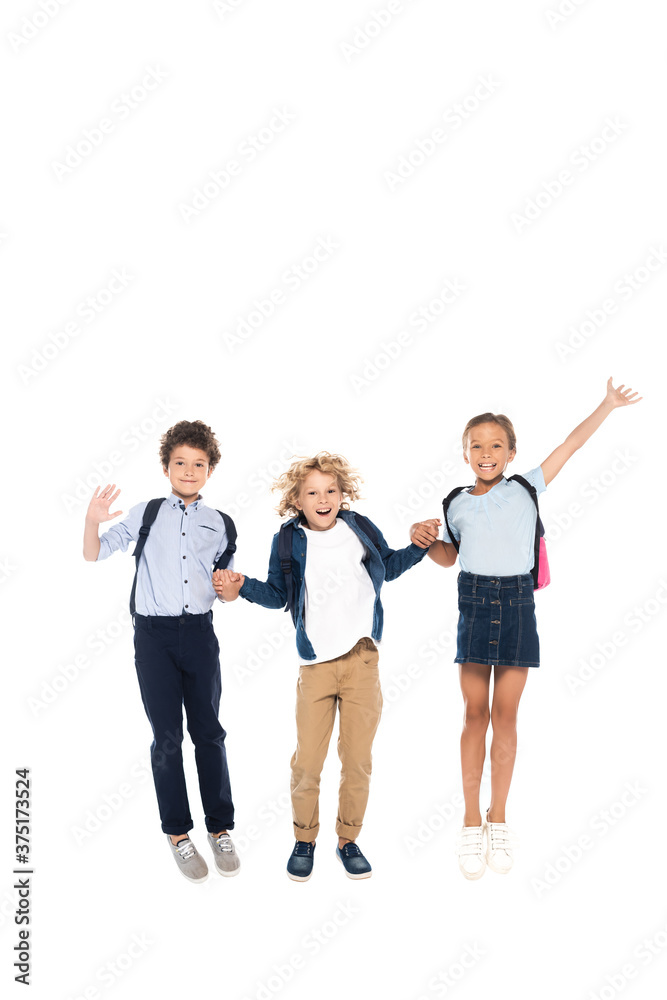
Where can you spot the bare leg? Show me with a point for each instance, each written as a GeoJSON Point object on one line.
{"type": "Point", "coordinates": [508, 685]}
{"type": "Point", "coordinates": [475, 679]}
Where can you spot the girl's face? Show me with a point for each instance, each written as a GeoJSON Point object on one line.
{"type": "Point", "coordinates": [319, 499]}
{"type": "Point", "coordinates": [488, 453]}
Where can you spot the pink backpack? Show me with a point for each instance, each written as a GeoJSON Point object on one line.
{"type": "Point", "coordinates": [540, 570]}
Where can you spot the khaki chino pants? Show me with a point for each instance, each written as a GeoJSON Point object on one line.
{"type": "Point", "coordinates": [351, 684]}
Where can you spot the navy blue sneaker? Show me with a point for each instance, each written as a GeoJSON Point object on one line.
{"type": "Point", "coordinates": [353, 861]}
{"type": "Point", "coordinates": [300, 864]}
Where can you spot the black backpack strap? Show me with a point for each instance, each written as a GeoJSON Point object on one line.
{"type": "Point", "coordinates": [150, 513]}
{"type": "Point", "coordinates": [285, 536]}
{"type": "Point", "coordinates": [230, 528]}
{"type": "Point", "coordinates": [445, 507]}
{"type": "Point", "coordinates": [539, 527]}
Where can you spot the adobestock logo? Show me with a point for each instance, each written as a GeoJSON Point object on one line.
{"type": "Point", "coordinates": [264, 819]}
{"type": "Point", "coordinates": [62, 679]}
{"type": "Point", "coordinates": [554, 188]}
{"type": "Point", "coordinates": [247, 152]}
{"type": "Point", "coordinates": [427, 829]}
{"type": "Point", "coordinates": [598, 827]}
{"type": "Point", "coordinates": [260, 481]}
{"type": "Point", "coordinates": [634, 621]}
{"type": "Point", "coordinates": [121, 108]}
{"type": "Point", "coordinates": [143, 431]}
{"type": "Point", "coordinates": [291, 281]}
{"type": "Point", "coordinates": [98, 815]}
{"type": "Point", "coordinates": [108, 973]}
{"type": "Point", "coordinates": [591, 491]}
{"type": "Point", "coordinates": [445, 980]}
{"type": "Point", "coordinates": [224, 7]}
{"type": "Point", "coordinates": [310, 945]}
{"type": "Point", "coordinates": [7, 569]}
{"type": "Point", "coordinates": [33, 24]}
{"type": "Point", "coordinates": [624, 289]}
{"type": "Point", "coordinates": [452, 119]}
{"type": "Point", "coordinates": [419, 321]}
{"type": "Point", "coordinates": [88, 310]}
{"type": "Point", "coordinates": [562, 12]}
{"type": "Point", "coordinates": [366, 33]}
{"type": "Point", "coordinates": [643, 955]}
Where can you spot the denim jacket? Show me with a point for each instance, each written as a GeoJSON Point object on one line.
{"type": "Point", "coordinates": [383, 564]}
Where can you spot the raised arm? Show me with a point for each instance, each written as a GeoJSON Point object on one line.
{"type": "Point", "coordinates": [621, 396]}
{"type": "Point", "coordinates": [98, 513]}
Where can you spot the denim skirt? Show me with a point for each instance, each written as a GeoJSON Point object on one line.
{"type": "Point", "coordinates": [497, 623]}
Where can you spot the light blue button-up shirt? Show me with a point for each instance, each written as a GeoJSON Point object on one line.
{"type": "Point", "coordinates": [176, 565]}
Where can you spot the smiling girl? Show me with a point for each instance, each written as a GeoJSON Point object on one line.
{"type": "Point", "coordinates": [493, 525]}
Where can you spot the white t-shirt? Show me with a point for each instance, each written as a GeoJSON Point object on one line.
{"type": "Point", "coordinates": [340, 595]}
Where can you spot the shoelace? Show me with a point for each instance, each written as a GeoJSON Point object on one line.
{"type": "Point", "coordinates": [224, 843]}
{"type": "Point", "coordinates": [350, 850]}
{"type": "Point", "coordinates": [302, 849]}
{"type": "Point", "coordinates": [186, 849]}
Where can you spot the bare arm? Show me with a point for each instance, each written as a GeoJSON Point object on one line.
{"type": "Point", "coordinates": [98, 513]}
{"type": "Point", "coordinates": [425, 533]}
{"type": "Point", "coordinates": [621, 396]}
{"type": "Point", "coordinates": [443, 553]}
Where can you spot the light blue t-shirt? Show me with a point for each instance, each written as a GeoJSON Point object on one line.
{"type": "Point", "coordinates": [496, 531]}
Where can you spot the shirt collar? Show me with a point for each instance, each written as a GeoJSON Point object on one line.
{"type": "Point", "coordinates": [177, 502]}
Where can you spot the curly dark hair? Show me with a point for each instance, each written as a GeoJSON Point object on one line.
{"type": "Point", "coordinates": [194, 433]}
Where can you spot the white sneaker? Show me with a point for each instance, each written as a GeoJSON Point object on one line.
{"type": "Point", "coordinates": [470, 849]}
{"type": "Point", "coordinates": [499, 855]}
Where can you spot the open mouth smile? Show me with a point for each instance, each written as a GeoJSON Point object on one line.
{"type": "Point", "coordinates": [323, 513]}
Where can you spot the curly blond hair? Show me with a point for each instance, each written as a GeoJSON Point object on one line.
{"type": "Point", "coordinates": [289, 483]}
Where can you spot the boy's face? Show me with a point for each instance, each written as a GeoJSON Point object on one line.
{"type": "Point", "coordinates": [319, 499]}
{"type": "Point", "coordinates": [187, 472]}
{"type": "Point", "coordinates": [488, 452]}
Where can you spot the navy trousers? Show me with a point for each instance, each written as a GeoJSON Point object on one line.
{"type": "Point", "coordinates": [177, 661]}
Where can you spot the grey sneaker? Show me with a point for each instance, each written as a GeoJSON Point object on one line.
{"type": "Point", "coordinates": [226, 859]}
{"type": "Point", "coordinates": [190, 863]}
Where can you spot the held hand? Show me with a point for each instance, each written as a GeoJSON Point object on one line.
{"type": "Point", "coordinates": [221, 577]}
{"type": "Point", "coordinates": [98, 508]}
{"type": "Point", "coordinates": [227, 584]}
{"type": "Point", "coordinates": [620, 396]}
{"type": "Point", "coordinates": [424, 533]}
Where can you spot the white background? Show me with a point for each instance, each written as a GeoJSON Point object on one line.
{"type": "Point", "coordinates": [318, 373]}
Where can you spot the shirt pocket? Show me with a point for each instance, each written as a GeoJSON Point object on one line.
{"type": "Point", "coordinates": [205, 541]}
